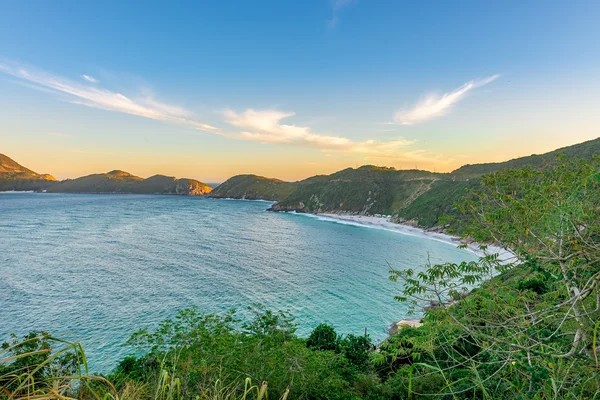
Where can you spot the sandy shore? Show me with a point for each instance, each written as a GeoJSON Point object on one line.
{"type": "Point", "coordinates": [384, 223]}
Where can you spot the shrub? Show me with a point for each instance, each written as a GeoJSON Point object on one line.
{"type": "Point", "coordinates": [323, 337]}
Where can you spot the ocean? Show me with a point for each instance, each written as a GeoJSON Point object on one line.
{"type": "Point", "coordinates": [95, 268]}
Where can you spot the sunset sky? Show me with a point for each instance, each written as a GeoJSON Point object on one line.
{"type": "Point", "coordinates": [289, 89]}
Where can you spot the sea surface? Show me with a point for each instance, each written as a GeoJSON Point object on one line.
{"type": "Point", "coordinates": [96, 268]}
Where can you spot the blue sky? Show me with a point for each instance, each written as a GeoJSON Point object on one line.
{"type": "Point", "coordinates": [293, 88]}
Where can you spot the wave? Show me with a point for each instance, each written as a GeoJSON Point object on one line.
{"type": "Point", "coordinates": [382, 223]}
{"type": "Point", "coordinates": [342, 221]}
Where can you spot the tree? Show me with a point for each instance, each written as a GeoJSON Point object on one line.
{"type": "Point", "coordinates": [356, 349]}
{"type": "Point", "coordinates": [537, 321]}
{"type": "Point", "coordinates": [323, 337]}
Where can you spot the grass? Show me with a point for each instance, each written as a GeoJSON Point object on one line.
{"type": "Point", "coordinates": [30, 369]}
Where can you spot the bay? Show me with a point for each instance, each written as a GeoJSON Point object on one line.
{"type": "Point", "coordinates": [95, 268]}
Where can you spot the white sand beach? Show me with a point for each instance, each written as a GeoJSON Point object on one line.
{"type": "Point", "coordinates": [385, 223]}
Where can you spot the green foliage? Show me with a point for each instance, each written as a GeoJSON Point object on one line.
{"type": "Point", "coordinates": [253, 187]}
{"type": "Point", "coordinates": [204, 348]}
{"type": "Point", "coordinates": [323, 337]}
{"type": "Point", "coordinates": [42, 366]}
{"type": "Point", "coordinates": [441, 284]}
{"type": "Point", "coordinates": [435, 205]}
{"type": "Point", "coordinates": [356, 350]}
{"type": "Point", "coordinates": [32, 368]}
{"type": "Point", "coordinates": [366, 190]}
{"type": "Point", "coordinates": [527, 332]}
{"type": "Point", "coordinates": [406, 346]}
{"type": "Point", "coordinates": [425, 198]}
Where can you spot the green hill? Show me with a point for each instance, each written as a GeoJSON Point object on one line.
{"type": "Point", "coordinates": [365, 190]}
{"type": "Point", "coordinates": [14, 176]}
{"type": "Point", "coordinates": [253, 187]}
{"type": "Point", "coordinates": [414, 196]}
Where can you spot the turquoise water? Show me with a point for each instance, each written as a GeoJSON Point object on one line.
{"type": "Point", "coordinates": [95, 268]}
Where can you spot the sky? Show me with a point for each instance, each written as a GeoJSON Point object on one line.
{"type": "Point", "coordinates": [290, 89]}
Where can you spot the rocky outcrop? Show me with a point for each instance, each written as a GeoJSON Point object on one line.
{"type": "Point", "coordinates": [191, 187]}
{"type": "Point", "coordinates": [412, 323]}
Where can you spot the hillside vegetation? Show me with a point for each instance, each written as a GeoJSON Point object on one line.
{"type": "Point", "coordinates": [366, 190]}
{"type": "Point", "coordinates": [253, 187]}
{"type": "Point", "coordinates": [419, 197]}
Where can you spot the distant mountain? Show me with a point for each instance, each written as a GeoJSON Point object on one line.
{"type": "Point", "coordinates": [123, 182]}
{"type": "Point", "coordinates": [14, 176]}
{"type": "Point", "coordinates": [253, 187]}
{"type": "Point", "coordinates": [413, 196]}
{"type": "Point", "coordinates": [112, 182]}
{"type": "Point", "coordinates": [171, 185]}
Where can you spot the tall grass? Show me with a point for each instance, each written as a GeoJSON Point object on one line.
{"type": "Point", "coordinates": [32, 369]}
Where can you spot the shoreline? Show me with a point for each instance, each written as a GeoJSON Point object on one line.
{"type": "Point", "coordinates": [384, 223]}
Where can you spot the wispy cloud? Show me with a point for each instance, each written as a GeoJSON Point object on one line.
{"type": "Point", "coordinates": [266, 127]}
{"type": "Point", "coordinates": [336, 8]}
{"type": "Point", "coordinates": [93, 96]}
{"type": "Point", "coordinates": [89, 78]}
{"type": "Point", "coordinates": [434, 106]}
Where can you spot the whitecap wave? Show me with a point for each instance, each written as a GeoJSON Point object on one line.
{"type": "Point", "coordinates": [384, 224]}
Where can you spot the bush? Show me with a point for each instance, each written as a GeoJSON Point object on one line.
{"type": "Point", "coordinates": [323, 337]}
{"type": "Point", "coordinates": [356, 350]}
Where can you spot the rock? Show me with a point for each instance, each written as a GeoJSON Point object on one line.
{"type": "Point", "coordinates": [413, 323]}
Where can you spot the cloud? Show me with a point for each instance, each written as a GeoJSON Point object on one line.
{"type": "Point", "coordinates": [434, 106]}
{"type": "Point", "coordinates": [93, 96]}
{"type": "Point", "coordinates": [263, 126]}
{"type": "Point", "coordinates": [89, 78]}
{"type": "Point", "coordinates": [336, 7]}
{"type": "Point", "coordinates": [266, 127]}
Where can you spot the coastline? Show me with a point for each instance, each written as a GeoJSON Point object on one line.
{"type": "Point", "coordinates": [384, 223]}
